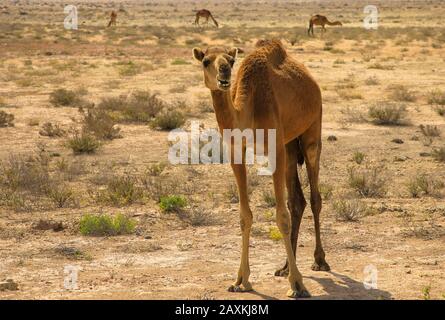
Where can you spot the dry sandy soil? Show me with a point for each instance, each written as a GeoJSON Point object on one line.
{"type": "Point", "coordinates": [171, 256]}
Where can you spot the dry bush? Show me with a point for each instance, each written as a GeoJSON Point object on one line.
{"type": "Point", "coordinates": [141, 106]}
{"type": "Point", "coordinates": [402, 93]}
{"type": "Point", "coordinates": [68, 98]}
{"type": "Point", "coordinates": [51, 130]}
{"type": "Point", "coordinates": [121, 191]}
{"type": "Point", "coordinates": [372, 81]}
{"type": "Point", "coordinates": [100, 124]}
{"type": "Point", "coordinates": [436, 97]}
{"type": "Point", "coordinates": [387, 114]}
{"type": "Point", "coordinates": [168, 119]}
{"type": "Point", "coordinates": [155, 169]}
{"type": "Point", "coordinates": [61, 195]}
{"type": "Point", "coordinates": [423, 184]}
{"type": "Point", "coordinates": [429, 130]}
{"type": "Point", "coordinates": [352, 115]}
{"type": "Point", "coordinates": [368, 182]}
{"type": "Point", "coordinates": [349, 210]}
{"type": "Point", "coordinates": [199, 216]}
{"type": "Point", "coordinates": [269, 198]}
{"type": "Point", "coordinates": [358, 157]}
{"type": "Point", "coordinates": [6, 119]}
{"type": "Point", "coordinates": [439, 154]}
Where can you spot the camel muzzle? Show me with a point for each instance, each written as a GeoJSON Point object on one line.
{"type": "Point", "coordinates": [223, 84]}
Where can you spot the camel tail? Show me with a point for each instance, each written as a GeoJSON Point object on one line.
{"type": "Point", "coordinates": [214, 21]}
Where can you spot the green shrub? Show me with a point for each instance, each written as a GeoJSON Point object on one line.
{"type": "Point", "coordinates": [423, 184]}
{"type": "Point", "coordinates": [168, 120]}
{"type": "Point", "coordinates": [83, 143]}
{"type": "Point", "coordinates": [105, 225]}
{"type": "Point", "coordinates": [358, 157]}
{"type": "Point", "coordinates": [172, 203]}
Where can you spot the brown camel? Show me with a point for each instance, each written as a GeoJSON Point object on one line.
{"type": "Point", "coordinates": [319, 20]}
{"type": "Point", "coordinates": [113, 18]}
{"type": "Point", "coordinates": [272, 91]}
{"type": "Point", "coordinates": [206, 14]}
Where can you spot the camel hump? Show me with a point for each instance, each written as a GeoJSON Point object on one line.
{"type": "Point", "coordinates": [273, 50]}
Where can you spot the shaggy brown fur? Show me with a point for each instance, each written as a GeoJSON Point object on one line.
{"type": "Point", "coordinates": [319, 20]}
{"type": "Point", "coordinates": [272, 91]}
{"type": "Point", "coordinates": [206, 14]}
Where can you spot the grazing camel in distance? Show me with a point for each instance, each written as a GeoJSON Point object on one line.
{"type": "Point", "coordinates": [271, 91]}
{"type": "Point", "coordinates": [319, 20]}
{"type": "Point", "coordinates": [206, 14]}
{"type": "Point", "coordinates": [113, 18]}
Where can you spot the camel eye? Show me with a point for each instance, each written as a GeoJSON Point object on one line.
{"type": "Point", "coordinates": [205, 63]}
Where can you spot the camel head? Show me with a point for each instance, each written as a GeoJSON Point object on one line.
{"type": "Point", "coordinates": [338, 23]}
{"type": "Point", "coordinates": [217, 64]}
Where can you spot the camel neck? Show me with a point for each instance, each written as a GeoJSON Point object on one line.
{"type": "Point", "coordinates": [226, 114]}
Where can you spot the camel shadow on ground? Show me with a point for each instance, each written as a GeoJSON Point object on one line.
{"type": "Point", "coordinates": [345, 288]}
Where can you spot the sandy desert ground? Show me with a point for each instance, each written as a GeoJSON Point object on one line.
{"type": "Point", "coordinates": [382, 169]}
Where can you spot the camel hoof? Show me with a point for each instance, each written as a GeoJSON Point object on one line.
{"type": "Point", "coordinates": [240, 288]}
{"type": "Point", "coordinates": [283, 272]}
{"type": "Point", "coordinates": [295, 294]}
{"type": "Point", "coordinates": [321, 266]}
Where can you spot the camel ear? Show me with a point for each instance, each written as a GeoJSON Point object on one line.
{"type": "Point", "coordinates": [198, 54]}
{"type": "Point", "coordinates": [234, 52]}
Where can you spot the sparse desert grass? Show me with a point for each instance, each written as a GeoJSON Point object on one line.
{"type": "Point", "coordinates": [439, 154]}
{"type": "Point", "coordinates": [173, 203]}
{"type": "Point", "coordinates": [368, 182]}
{"type": "Point", "coordinates": [67, 98]}
{"type": "Point", "coordinates": [51, 130]}
{"type": "Point", "coordinates": [349, 210]}
{"type": "Point", "coordinates": [358, 157]}
{"type": "Point", "coordinates": [352, 115]}
{"type": "Point", "coordinates": [423, 184]}
{"type": "Point", "coordinates": [429, 130]}
{"type": "Point", "coordinates": [199, 216]}
{"type": "Point", "coordinates": [436, 97]}
{"type": "Point", "coordinates": [121, 191]}
{"type": "Point", "coordinates": [349, 94]}
{"type": "Point", "coordinates": [131, 68]}
{"type": "Point", "coordinates": [387, 114]}
{"type": "Point", "coordinates": [232, 193]}
{"type": "Point", "coordinates": [269, 198]}
{"type": "Point", "coordinates": [326, 191]}
{"type": "Point", "coordinates": [106, 225]}
{"type": "Point", "coordinates": [168, 119]}
{"type": "Point", "coordinates": [61, 195]}
{"type": "Point", "coordinates": [82, 143]}
{"type": "Point", "coordinates": [6, 119]}
{"type": "Point", "coordinates": [155, 169]}
{"type": "Point", "coordinates": [401, 93]}
{"type": "Point", "coordinates": [379, 66]}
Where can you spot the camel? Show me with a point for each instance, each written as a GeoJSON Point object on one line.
{"type": "Point", "coordinates": [271, 91]}
{"type": "Point", "coordinates": [206, 14]}
{"type": "Point", "coordinates": [113, 18]}
{"type": "Point", "coordinates": [320, 20]}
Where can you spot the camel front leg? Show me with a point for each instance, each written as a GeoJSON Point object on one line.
{"type": "Point", "coordinates": [297, 290]}
{"type": "Point", "coordinates": [242, 283]}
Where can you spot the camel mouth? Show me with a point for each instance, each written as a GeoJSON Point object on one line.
{"type": "Point", "coordinates": [223, 84]}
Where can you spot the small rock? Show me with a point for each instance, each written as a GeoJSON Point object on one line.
{"type": "Point", "coordinates": [397, 140]}
{"type": "Point", "coordinates": [408, 271]}
{"type": "Point", "coordinates": [49, 225]}
{"type": "Point", "coordinates": [9, 284]}
{"type": "Point", "coordinates": [400, 158]}
{"type": "Point", "coordinates": [332, 138]}
{"type": "Point", "coordinates": [425, 154]}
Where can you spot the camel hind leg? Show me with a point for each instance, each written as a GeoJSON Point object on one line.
{"type": "Point", "coordinates": [296, 202]}
{"type": "Point", "coordinates": [311, 143]}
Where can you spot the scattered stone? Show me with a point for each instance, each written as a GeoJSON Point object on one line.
{"type": "Point", "coordinates": [425, 154]}
{"type": "Point", "coordinates": [332, 138]}
{"type": "Point", "coordinates": [49, 225]}
{"type": "Point", "coordinates": [398, 141]}
{"type": "Point", "coordinates": [400, 158]}
{"type": "Point", "coordinates": [9, 284]}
